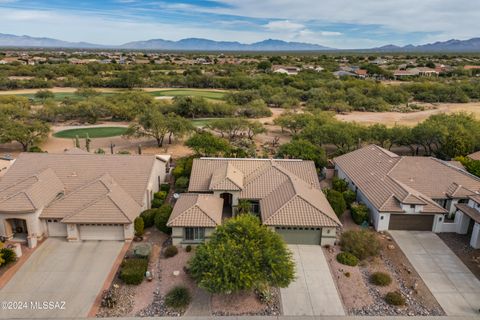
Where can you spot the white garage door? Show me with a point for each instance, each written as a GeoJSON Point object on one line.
{"type": "Point", "coordinates": [101, 232]}
{"type": "Point", "coordinates": [56, 228]}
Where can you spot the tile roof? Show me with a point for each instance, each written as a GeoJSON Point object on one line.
{"type": "Point", "coordinates": [196, 210]}
{"type": "Point", "coordinates": [388, 180]}
{"type": "Point", "coordinates": [288, 190]}
{"type": "Point", "coordinates": [30, 193]}
{"type": "Point", "coordinates": [78, 187]}
{"type": "Point", "coordinates": [475, 155]}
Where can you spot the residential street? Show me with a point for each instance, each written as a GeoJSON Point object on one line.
{"type": "Point", "coordinates": [456, 289]}
{"type": "Point", "coordinates": [313, 292]}
{"type": "Point", "coordinates": [59, 272]}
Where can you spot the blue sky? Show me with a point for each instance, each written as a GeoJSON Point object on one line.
{"type": "Point", "coordinates": [334, 23]}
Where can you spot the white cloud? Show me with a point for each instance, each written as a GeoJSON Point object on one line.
{"type": "Point", "coordinates": [330, 33]}
{"type": "Point", "coordinates": [284, 25]}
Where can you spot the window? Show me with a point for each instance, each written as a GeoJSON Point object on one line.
{"type": "Point", "coordinates": [194, 234]}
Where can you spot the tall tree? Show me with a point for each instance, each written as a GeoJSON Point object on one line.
{"type": "Point", "coordinates": [151, 124]}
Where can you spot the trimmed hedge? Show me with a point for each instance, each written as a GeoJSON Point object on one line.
{"type": "Point", "coordinates": [133, 270]}
{"type": "Point", "coordinates": [337, 202]}
{"type": "Point", "coordinates": [380, 279]}
{"type": "Point", "coordinates": [162, 195]}
{"type": "Point", "coordinates": [395, 298]}
{"type": "Point", "coordinates": [170, 251]}
{"type": "Point", "coordinates": [161, 218]}
{"type": "Point", "coordinates": [361, 243]}
{"type": "Point", "coordinates": [165, 187]}
{"type": "Point", "coordinates": [360, 212]}
{"type": "Point", "coordinates": [339, 185]}
{"type": "Point", "coordinates": [157, 203]}
{"type": "Point", "coordinates": [148, 217]}
{"type": "Point", "coordinates": [178, 298]}
{"type": "Point", "coordinates": [349, 196]}
{"type": "Point", "coordinates": [347, 259]}
{"type": "Point", "coordinates": [181, 183]}
{"type": "Point", "coordinates": [139, 226]}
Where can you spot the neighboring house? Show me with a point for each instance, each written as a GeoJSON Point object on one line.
{"type": "Point", "coordinates": [342, 73]}
{"type": "Point", "coordinates": [361, 73]}
{"type": "Point", "coordinates": [475, 156]}
{"type": "Point", "coordinates": [408, 193]}
{"type": "Point", "coordinates": [285, 194]}
{"type": "Point", "coordinates": [291, 71]}
{"type": "Point", "coordinates": [468, 216]}
{"type": "Point", "coordinates": [77, 195]}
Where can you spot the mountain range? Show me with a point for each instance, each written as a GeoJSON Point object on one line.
{"type": "Point", "coordinates": [197, 44]}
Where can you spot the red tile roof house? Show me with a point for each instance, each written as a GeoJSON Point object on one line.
{"type": "Point", "coordinates": [285, 194]}
{"type": "Point", "coordinates": [411, 193]}
{"type": "Point", "coordinates": [77, 195]}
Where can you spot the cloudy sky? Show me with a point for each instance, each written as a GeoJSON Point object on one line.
{"type": "Point", "coordinates": [333, 23]}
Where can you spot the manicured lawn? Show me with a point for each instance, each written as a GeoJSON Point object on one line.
{"type": "Point", "coordinates": [202, 122]}
{"type": "Point", "coordinates": [97, 132]}
{"type": "Point", "coordinates": [208, 94]}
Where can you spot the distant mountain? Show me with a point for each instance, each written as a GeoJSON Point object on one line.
{"type": "Point", "coordinates": [197, 44]}
{"type": "Point", "coordinates": [453, 45]}
{"type": "Point", "coordinates": [210, 45]}
{"type": "Point", "coordinates": [10, 40]}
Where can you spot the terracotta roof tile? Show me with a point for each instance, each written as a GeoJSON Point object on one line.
{"type": "Point", "coordinates": [196, 210]}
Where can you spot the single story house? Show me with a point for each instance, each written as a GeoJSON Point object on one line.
{"type": "Point", "coordinates": [284, 193]}
{"type": "Point", "coordinates": [409, 193]}
{"type": "Point", "coordinates": [77, 195]}
{"type": "Point", "coordinates": [288, 70]}
{"type": "Point", "coordinates": [471, 223]}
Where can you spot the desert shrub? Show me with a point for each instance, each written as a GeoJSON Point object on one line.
{"type": "Point", "coordinates": [380, 279]}
{"type": "Point", "coordinates": [170, 251]}
{"type": "Point", "coordinates": [139, 226]}
{"type": "Point", "coordinates": [395, 298]}
{"type": "Point", "coordinates": [133, 270]}
{"type": "Point", "coordinates": [181, 183]}
{"type": "Point", "coordinates": [157, 203]}
{"type": "Point", "coordinates": [165, 187]}
{"type": "Point", "coordinates": [160, 195]}
{"type": "Point", "coordinates": [349, 196]}
{"type": "Point", "coordinates": [161, 218]}
{"type": "Point", "coordinates": [337, 202]}
{"type": "Point", "coordinates": [347, 259]}
{"type": "Point", "coordinates": [178, 298]}
{"type": "Point", "coordinates": [35, 149]}
{"type": "Point", "coordinates": [264, 294]}
{"type": "Point", "coordinates": [188, 248]}
{"type": "Point", "coordinates": [339, 185]}
{"type": "Point", "coordinates": [148, 217]}
{"type": "Point", "coordinates": [362, 243]}
{"type": "Point", "coordinates": [347, 274]}
{"type": "Point", "coordinates": [359, 212]}
{"type": "Point", "coordinates": [8, 255]}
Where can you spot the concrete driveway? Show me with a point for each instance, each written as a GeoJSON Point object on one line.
{"type": "Point", "coordinates": [68, 274]}
{"type": "Point", "coordinates": [313, 292]}
{"type": "Point", "coordinates": [453, 285]}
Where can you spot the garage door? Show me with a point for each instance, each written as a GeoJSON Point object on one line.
{"type": "Point", "coordinates": [411, 222]}
{"type": "Point", "coordinates": [56, 228]}
{"type": "Point", "coordinates": [101, 232]}
{"type": "Point", "coordinates": [300, 236]}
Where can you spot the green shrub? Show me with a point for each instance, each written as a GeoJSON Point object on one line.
{"type": "Point", "coordinates": [380, 279]}
{"type": "Point", "coordinates": [178, 298]}
{"type": "Point", "coordinates": [347, 259]}
{"type": "Point", "coordinates": [8, 255]}
{"type": "Point", "coordinates": [170, 251]}
{"type": "Point", "coordinates": [133, 270]}
{"type": "Point", "coordinates": [157, 203]}
{"type": "Point", "coordinates": [188, 248]}
{"type": "Point", "coordinates": [395, 298]}
{"type": "Point", "coordinates": [139, 226]}
{"type": "Point", "coordinates": [160, 195]}
{"type": "Point", "coordinates": [35, 149]}
{"type": "Point", "coordinates": [161, 218]}
{"type": "Point", "coordinates": [361, 243]}
{"type": "Point", "coordinates": [337, 202]}
{"type": "Point", "coordinates": [339, 185]}
{"type": "Point", "coordinates": [181, 183]}
{"type": "Point", "coordinates": [349, 196]}
{"type": "Point", "coordinates": [183, 167]}
{"type": "Point", "coordinates": [165, 187]}
{"type": "Point", "coordinates": [360, 212]}
{"type": "Point", "coordinates": [148, 217]}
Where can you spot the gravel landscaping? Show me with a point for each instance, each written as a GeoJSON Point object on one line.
{"type": "Point", "coordinates": [361, 297]}
{"type": "Point", "coordinates": [245, 304]}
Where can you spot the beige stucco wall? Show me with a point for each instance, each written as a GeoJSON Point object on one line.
{"type": "Point", "coordinates": [329, 236]}
{"type": "Point", "coordinates": [158, 171]}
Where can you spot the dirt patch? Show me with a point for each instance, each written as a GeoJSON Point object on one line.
{"type": "Point", "coordinates": [409, 118]}
{"type": "Point", "coordinates": [460, 244]}
{"type": "Point", "coordinates": [245, 303]}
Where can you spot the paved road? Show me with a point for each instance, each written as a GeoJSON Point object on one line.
{"type": "Point", "coordinates": [60, 271]}
{"type": "Point", "coordinates": [313, 292]}
{"type": "Point", "coordinates": [453, 285]}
